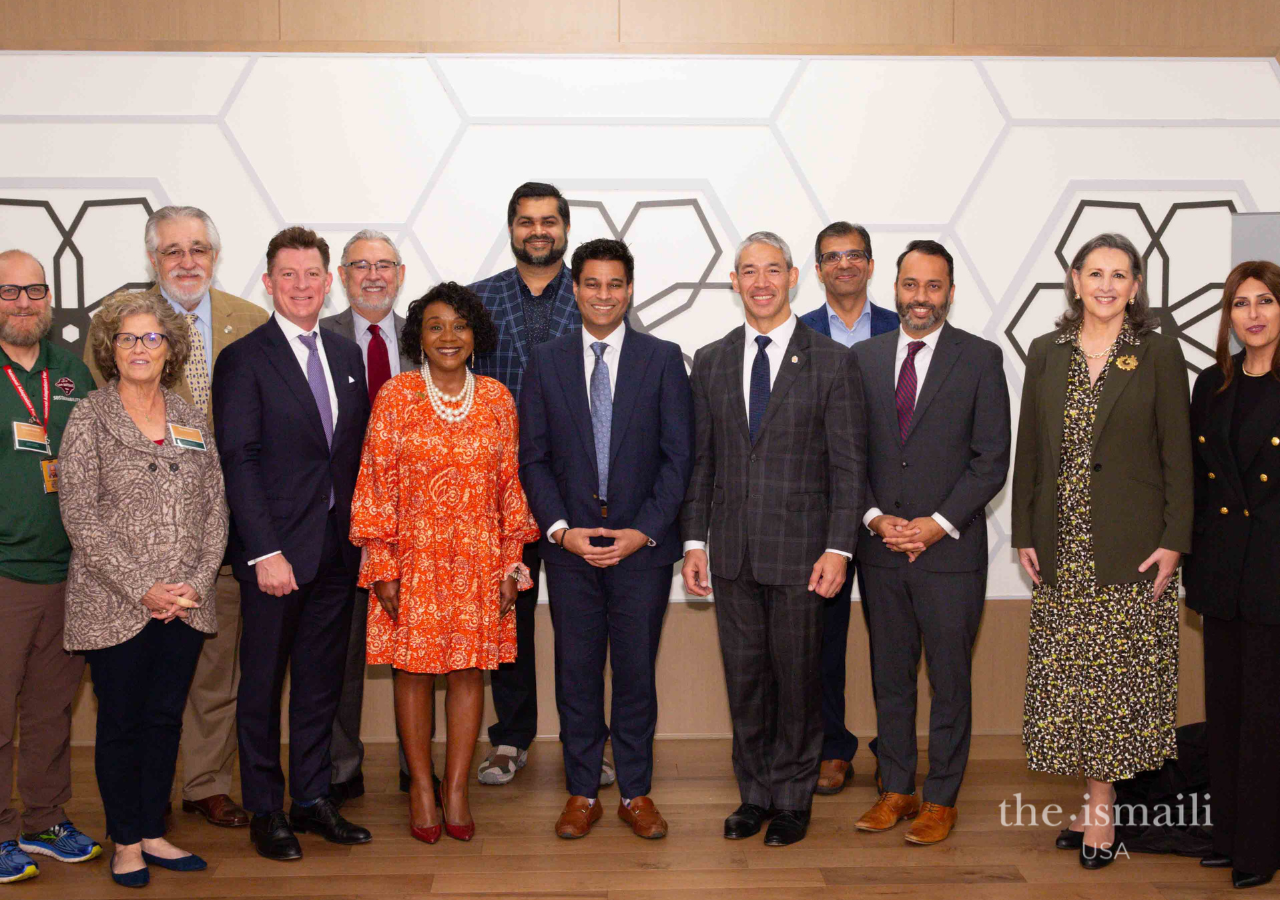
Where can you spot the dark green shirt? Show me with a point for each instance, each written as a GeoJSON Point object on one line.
{"type": "Point", "coordinates": [33, 545]}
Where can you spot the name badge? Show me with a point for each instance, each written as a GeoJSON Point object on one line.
{"type": "Point", "coordinates": [187, 438]}
{"type": "Point", "coordinates": [30, 437]}
{"type": "Point", "coordinates": [49, 469]}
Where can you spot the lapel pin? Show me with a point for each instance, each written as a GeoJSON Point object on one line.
{"type": "Point", "coordinates": [226, 330]}
{"type": "Point", "coordinates": [795, 359]}
{"type": "Point", "coordinates": [1128, 363]}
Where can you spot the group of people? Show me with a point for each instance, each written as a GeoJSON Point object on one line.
{"type": "Point", "coordinates": [246, 495]}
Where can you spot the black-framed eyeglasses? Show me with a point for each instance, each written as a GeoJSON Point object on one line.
{"type": "Point", "coordinates": [151, 340]}
{"type": "Point", "coordinates": [199, 253]}
{"type": "Point", "coordinates": [382, 266]}
{"type": "Point", "coordinates": [833, 257]}
{"type": "Point", "coordinates": [10, 292]}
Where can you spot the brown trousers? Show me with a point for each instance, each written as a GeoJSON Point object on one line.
{"type": "Point", "coordinates": [38, 681]}
{"type": "Point", "coordinates": [209, 721]}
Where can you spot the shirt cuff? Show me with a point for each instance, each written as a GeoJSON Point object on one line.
{"type": "Point", "coordinates": [870, 517]}
{"type": "Point", "coordinates": [695, 545]}
{"type": "Point", "coordinates": [254, 562]}
{"type": "Point", "coordinates": [840, 553]}
{"type": "Point", "coordinates": [556, 527]}
{"type": "Point", "coordinates": [946, 526]}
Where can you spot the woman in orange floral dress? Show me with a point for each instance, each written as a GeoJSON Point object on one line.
{"type": "Point", "coordinates": [439, 509]}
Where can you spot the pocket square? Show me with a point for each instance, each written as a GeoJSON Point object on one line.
{"type": "Point", "coordinates": [350, 380]}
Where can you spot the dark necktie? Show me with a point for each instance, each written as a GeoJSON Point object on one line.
{"type": "Point", "coordinates": [759, 385]}
{"type": "Point", "coordinates": [601, 415]}
{"type": "Point", "coordinates": [905, 396]}
{"type": "Point", "coordinates": [378, 365]}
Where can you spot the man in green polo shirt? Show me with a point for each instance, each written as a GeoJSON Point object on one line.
{"type": "Point", "coordinates": [40, 383]}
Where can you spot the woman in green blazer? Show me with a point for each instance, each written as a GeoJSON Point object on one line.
{"type": "Point", "coordinates": [1102, 512]}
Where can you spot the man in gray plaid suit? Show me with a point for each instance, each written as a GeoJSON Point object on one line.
{"type": "Point", "coordinates": [777, 488]}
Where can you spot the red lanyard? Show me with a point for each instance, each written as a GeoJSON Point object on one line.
{"type": "Point", "coordinates": [26, 401]}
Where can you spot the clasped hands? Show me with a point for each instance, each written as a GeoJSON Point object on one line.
{"type": "Point", "coordinates": [578, 542]}
{"type": "Point", "coordinates": [910, 537]}
{"type": "Point", "coordinates": [170, 601]}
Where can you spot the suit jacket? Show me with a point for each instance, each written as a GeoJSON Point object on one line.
{"type": "Point", "coordinates": [1141, 480]}
{"type": "Point", "coordinates": [956, 455]}
{"type": "Point", "coordinates": [343, 324]}
{"type": "Point", "coordinates": [278, 467]}
{"type": "Point", "coordinates": [796, 491]}
{"type": "Point", "coordinates": [650, 445]}
{"type": "Point", "coordinates": [1233, 569]}
{"type": "Point", "coordinates": [882, 320]}
{"type": "Point", "coordinates": [230, 319]}
{"type": "Point", "coordinates": [501, 296]}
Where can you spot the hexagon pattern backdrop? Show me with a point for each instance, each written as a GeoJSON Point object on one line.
{"type": "Point", "coordinates": [1009, 162]}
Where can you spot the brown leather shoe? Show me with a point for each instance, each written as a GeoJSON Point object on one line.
{"type": "Point", "coordinates": [643, 817]}
{"type": "Point", "coordinates": [219, 809]}
{"type": "Point", "coordinates": [578, 817]}
{"type": "Point", "coordinates": [889, 810]}
{"type": "Point", "coordinates": [833, 775]}
{"type": "Point", "coordinates": [932, 825]}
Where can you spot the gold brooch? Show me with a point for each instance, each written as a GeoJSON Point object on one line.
{"type": "Point", "coordinates": [1128, 363]}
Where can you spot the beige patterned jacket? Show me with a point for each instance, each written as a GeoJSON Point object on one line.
{"type": "Point", "coordinates": [136, 513]}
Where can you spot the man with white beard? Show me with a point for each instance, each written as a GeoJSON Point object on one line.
{"type": "Point", "coordinates": [372, 274]}
{"type": "Point", "coordinates": [183, 246]}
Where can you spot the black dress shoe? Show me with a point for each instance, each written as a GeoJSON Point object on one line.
{"type": "Point", "coordinates": [1069, 840]}
{"type": "Point", "coordinates": [745, 821]}
{"type": "Point", "coordinates": [1096, 857]}
{"type": "Point", "coordinates": [1245, 880]}
{"type": "Point", "coordinates": [788, 827]}
{"type": "Point", "coordinates": [273, 838]}
{"type": "Point", "coordinates": [1216, 861]}
{"type": "Point", "coordinates": [342, 791]}
{"type": "Point", "coordinates": [323, 818]}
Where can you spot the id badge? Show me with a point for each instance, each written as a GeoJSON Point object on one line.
{"type": "Point", "coordinates": [187, 438]}
{"type": "Point", "coordinates": [30, 437]}
{"type": "Point", "coordinates": [49, 469]}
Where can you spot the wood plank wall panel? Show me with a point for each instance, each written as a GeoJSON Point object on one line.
{"type": "Point", "coordinates": [59, 23]}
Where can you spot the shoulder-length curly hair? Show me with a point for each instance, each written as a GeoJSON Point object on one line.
{"type": "Point", "coordinates": [465, 303]}
{"type": "Point", "coordinates": [1138, 313]}
{"type": "Point", "coordinates": [118, 307]}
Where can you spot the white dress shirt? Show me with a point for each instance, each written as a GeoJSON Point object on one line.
{"type": "Point", "coordinates": [923, 357]}
{"type": "Point", "coordinates": [780, 337]}
{"type": "Point", "coordinates": [612, 353]}
{"type": "Point", "coordinates": [387, 327]}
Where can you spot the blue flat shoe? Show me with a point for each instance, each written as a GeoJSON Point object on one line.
{"type": "Point", "coordinates": [135, 879]}
{"type": "Point", "coordinates": [188, 863]}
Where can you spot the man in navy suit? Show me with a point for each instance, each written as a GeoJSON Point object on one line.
{"type": "Point", "coordinates": [531, 303]}
{"type": "Point", "coordinates": [290, 407]}
{"type": "Point", "coordinates": [606, 451]}
{"type": "Point", "coordinates": [842, 255]}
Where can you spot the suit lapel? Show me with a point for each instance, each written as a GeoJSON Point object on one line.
{"type": "Point", "coordinates": [515, 315]}
{"type": "Point", "coordinates": [219, 322]}
{"type": "Point", "coordinates": [632, 363]}
{"type": "Point", "coordinates": [883, 372]}
{"type": "Point", "coordinates": [1117, 380]}
{"type": "Point", "coordinates": [1218, 437]}
{"type": "Point", "coordinates": [572, 375]}
{"type": "Point", "coordinates": [1056, 366]}
{"type": "Point", "coordinates": [280, 355]}
{"type": "Point", "coordinates": [794, 359]}
{"type": "Point", "coordinates": [729, 377]}
{"type": "Point", "coordinates": [945, 354]}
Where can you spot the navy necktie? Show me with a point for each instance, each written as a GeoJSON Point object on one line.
{"type": "Point", "coordinates": [759, 385]}
{"type": "Point", "coordinates": [601, 415]}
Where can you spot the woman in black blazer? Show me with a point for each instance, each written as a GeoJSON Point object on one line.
{"type": "Point", "coordinates": [1233, 575]}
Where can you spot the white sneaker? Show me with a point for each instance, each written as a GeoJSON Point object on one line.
{"type": "Point", "coordinates": [501, 765]}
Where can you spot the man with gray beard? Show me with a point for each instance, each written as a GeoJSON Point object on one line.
{"type": "Point", "coordinates": [372, 274]}
{"type": "Point", "coordinates": [937, 453]}
{"type": "Point", "coordinates": [42, 383]}
{"type": "Point", "coordinates": [183, 246]}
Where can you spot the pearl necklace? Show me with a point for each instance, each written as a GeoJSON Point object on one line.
{"type": "Point", "coordinates": [463, 400]}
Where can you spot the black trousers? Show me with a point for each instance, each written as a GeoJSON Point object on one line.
{"type": "Point", "coordinates": [908, 605]}
{"type": "Point", "coordinates": [141, 686]}
{"type": "Point", "coordinates": [771, 642]}
{"type": "Point", "coordinates": [304, 632]}
{"type": "Point", "coordinates": [515, 684]}
{"type": "Point", "coordinates": [346, 749]}
{"type": "Point", "coordinates": [838, 742]}
{"type": "Point", "coordinates": [1242, 705]}
{"type": "Point", "coordinates": [618, 613]}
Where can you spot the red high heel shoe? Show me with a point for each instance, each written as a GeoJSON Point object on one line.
{"type": "Point", "coordinates": [457, 832]}
{"type": "Point", "coordinates": [429, 834]}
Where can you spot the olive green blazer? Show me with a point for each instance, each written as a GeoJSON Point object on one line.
{"type": "Point", "coordinates": [1141, 475]}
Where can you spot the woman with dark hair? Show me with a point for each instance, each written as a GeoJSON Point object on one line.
{"type": "Point", "coordinates": [1233, 576]}
{"type": "Point", "coordinates": [440, 512]}
{"type": "Point", "coordinates": [1101, 516]}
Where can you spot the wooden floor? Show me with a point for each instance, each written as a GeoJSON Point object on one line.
{"type": "Point", "coordinates": [516, 854]}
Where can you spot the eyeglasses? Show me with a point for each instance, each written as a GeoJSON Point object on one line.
{"type": "Point", "coordinates": [151, 340]}
{"type": "Point", "coordinates": [833, 257]}
{"type": "Point", "coordinates": [199, 253]}
{"type": "Point", "coordinates": [10, 292]}
{"type": "Point", "coordinates": [382, 266]}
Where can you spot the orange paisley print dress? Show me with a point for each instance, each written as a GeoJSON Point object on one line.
{"type": "Point", "coordinates": [439, 506]}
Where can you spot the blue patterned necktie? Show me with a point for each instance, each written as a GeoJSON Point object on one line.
{"type": "Point", "coordinates": [759, 385]}
{"type": "Point", "coordinates": [601, 415]}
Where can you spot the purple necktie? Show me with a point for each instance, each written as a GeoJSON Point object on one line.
{"type": "Point", "coordinates": [905, 395]}
{"type": "Point", "coordinates": [319, 389]}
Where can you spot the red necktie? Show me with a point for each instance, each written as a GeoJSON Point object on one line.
{"type": "Point", "coordinates": [905, 396]}
{"type": "Point", "coordinates": [379, 364]}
